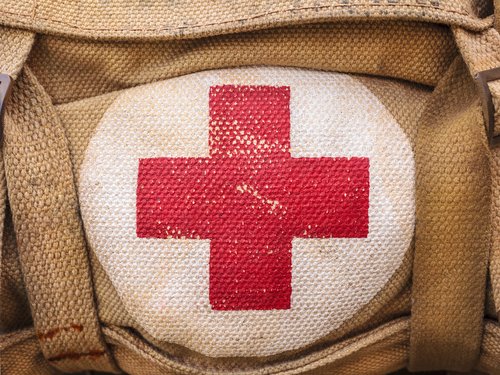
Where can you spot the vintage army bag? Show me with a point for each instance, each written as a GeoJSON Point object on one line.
{"type": "Point", "coordinates": [252, 187]}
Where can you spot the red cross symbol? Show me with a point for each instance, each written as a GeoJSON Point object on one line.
{"type": "Point", "coordinates": [251, 198]}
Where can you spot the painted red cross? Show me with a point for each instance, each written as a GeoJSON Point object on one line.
{"type": "Point", "coordinates": [251, 198]}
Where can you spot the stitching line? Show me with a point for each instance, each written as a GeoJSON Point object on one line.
{"type": "Point", "coordinates": [257, 16]}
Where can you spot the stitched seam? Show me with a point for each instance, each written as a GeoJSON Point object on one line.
{"type": "Point", "coordinates": [33, 11]}
{"type": "Point", "coordinates": [261, 15]}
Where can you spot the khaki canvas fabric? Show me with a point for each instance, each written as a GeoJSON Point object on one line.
{"type": "Point", "coordinates": [359, 354]}
{"type": "Point", "coordinates": [124, 19]}
{"type": "Point", "coordinates": [482, 52]}
{"type": "Point", "coordinates": [497, 20]}
{"type": "Point", "coordinates": [439, 297]}
{"type": "Point", "coordinates": [72, 69]}
{"type": "Point", "coordinates": [405, 102]}
{"type": "Point", "coordinates": [52, 253]}
{"type": "Point", "coordinates": [60, 309]}
{"type": "Point", "coordinates": [21, 354]}
{"type": "Point", "coordinates": [15, 48]}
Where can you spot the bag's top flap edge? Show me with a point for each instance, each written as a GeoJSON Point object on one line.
{"type": "Point", "coordinates": [174, 19]}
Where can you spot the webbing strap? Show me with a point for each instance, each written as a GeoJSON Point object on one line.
{"type": "Point", "coordinates": [15, 46]}
{"type": "Point", "coordinates": [14, 49]}
{"type": "Point", "coordinates": [452, 238]}
{"type": "Point", "coordinates": [43, 200]}
{"type": "Point", "coordinates": [481, 52]}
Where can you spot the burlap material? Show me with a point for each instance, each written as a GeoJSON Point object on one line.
{"type": "Point", "coordinates": [405, 102]}
{"type": "Point", "coordinates": [123, 19]}
{"type": "Point", "coordinates": [47, 225]}
{"type": "Point", "coordinates": [44, 157]}
{"type": "Point", "coordinates": [20, 354]}
{"type": "Point", "coordinates": [482, 52]}
{"type": "Point", "coordinates": [73, 69]}
{"type": "Point", "coordinates": [496, 5]}
{"type": "Point", "coordinates": [14, 48]}
{"type": "Point", "coordinates": [453, 230]}
{"type": "Point", "coordinates": [489, 362]}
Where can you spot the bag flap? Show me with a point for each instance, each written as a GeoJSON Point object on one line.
{"type": "Point", "coordinates": [184, 18]}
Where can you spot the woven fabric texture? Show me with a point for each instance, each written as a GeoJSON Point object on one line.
{"type": "Point", "coordinates": [107, 81]}
{"type": "Point", "coordinates": [496, 6]}
{"type": "Point", "coordinates": [489, 362]}
{"type": "Point", "coordinates": [122, 233]}
{"type": "Point", "coordinates": [21, 355]}
{"type": "Point", "coordinates": [51, 247]}
{"type": "Point", "coordinates": [482, 52]}
{"type": "Point", "coordinates": [453, 234]}
{"type": "Point", "coordinates": [379, 351]}
{"type": "Point", "coordinates": [405, 102]}
{"type": "Point", "coordinates": [14, 48]}
{"type": "Point", "coordinates": [183, 18]}
{"type": "Point", "coordinates": [15, 310]}
{"type": "Point", "coordinates": [73, 69]}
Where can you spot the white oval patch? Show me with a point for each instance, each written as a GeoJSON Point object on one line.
{"type": "Point", "coordinates": [164, 282]}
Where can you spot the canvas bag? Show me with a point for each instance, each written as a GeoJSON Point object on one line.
{"type": "Point", "coordinates": [373, 100]}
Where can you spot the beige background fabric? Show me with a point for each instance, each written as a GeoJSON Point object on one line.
{"type": "Point", "coordinates": [482, 52]}
{"type": "Point", "coordinates": [453, 233]}
{"type": "Point", "coordinates": [15, 46]}
{"type": "Point", "coordinates": [378, 351]}
{"type": "Point", "coordinates": [50, 240]}
{"type": "Point", "coordinates": [92, 72]}
{"type": "Point", "coordinates": [73, 69]}
{"type": "Point", "coordinates": [20, 354]}
{"type": "Point", "coordinates": [184, 18]}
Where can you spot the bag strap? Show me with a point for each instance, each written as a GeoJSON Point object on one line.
{"type": "Point", "coordinates": [49, 233]}
{"type": "Point", "coordinates": [453, 231]}
{"type": "Point", "coordinates": [481, 52]}
{"type": "Point", "coordinates": [15, 46]}
{"type": "Point", "coordinates": [447, 334]}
